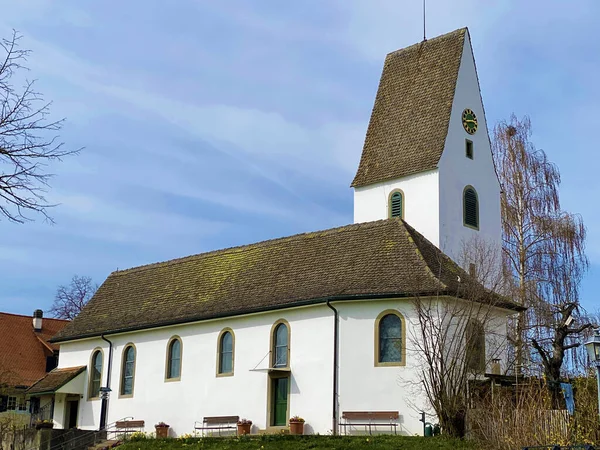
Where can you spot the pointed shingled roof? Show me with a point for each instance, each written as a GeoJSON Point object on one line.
{"type": "Point", "coordinates": [410, 118]}
{"type": "Point", "coordinates": [379, 259]}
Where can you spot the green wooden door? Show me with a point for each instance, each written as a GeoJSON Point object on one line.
{"type": "Point", "coordinates": [280, 401]}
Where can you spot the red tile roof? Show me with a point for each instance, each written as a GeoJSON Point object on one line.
{"type": "Point", "coordinates": [23, 351]}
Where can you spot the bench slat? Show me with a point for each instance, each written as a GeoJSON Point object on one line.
{"type": "Point", "coordinates": [220, 419]}
{"type": "Point", "coordinates": [368, 415]}
{"type": "Point", "coordinates": [130, 424]}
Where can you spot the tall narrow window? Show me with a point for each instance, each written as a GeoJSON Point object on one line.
{"type": "Point", "coordinates": [226, 346]}
{"type": "Point", "coordinates": [475, 343]}
{"type": "Point", "coordinates": [174, 359]}
{"type": "Point", "coordinates": [389, 339]}
{"type": "Point", "coordinates": [397, 204]}
{"type": "Point", "coordinates": [469, 149]}
{"type": "Point", "coordinates": [280, 348]}
{"type": "Point", "coordinates": [96, 374]}
{"type": "Point", "coordinates": [127, 371]}
{"type": "Point", "coordinates": [470, 208]}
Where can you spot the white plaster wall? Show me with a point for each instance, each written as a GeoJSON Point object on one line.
{"type": "Point", "coordinates": [456, 171]}
{"type": "Point", "coordinates": [421, 206]}
{"type": "Point", "coordinates": [59, 411]}
{"type": "Point", "coordinates": [364, 387]}
{"type": "Point", "coordinates": [200, 393]}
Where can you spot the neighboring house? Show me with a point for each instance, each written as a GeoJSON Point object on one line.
{"type": "Point", "coordinates": [26, 355]}
{"type": "Point", "coordinates": [318, 323]}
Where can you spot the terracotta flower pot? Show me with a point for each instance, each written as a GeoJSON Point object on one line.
{"type": "Point", "coordinates": [243, 428]}
{"type": "Point", "coordinates": [162, 432]}
{"type": "Point", "coordinates": [296, 427]}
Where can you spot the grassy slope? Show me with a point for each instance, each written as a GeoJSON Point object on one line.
{"type": "Point", "coordinates": [301, 443]}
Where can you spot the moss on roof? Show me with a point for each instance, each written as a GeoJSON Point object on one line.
{"type": "Point", "coordinates": [375, 259]}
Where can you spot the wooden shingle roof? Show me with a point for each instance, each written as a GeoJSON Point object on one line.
{"type": "Point", "coordinates": [410, 118]}
{"type": "Point", "coordinates": [375, 259]}
{"type": "Point", "coordinates": [55, 379]}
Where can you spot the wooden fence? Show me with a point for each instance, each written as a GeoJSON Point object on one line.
{"type": "Point", "coordinates": [535, 426]}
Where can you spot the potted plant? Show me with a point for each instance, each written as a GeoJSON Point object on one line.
{"type": "Point", "coordinates": [296, 425]}
{"type": "Point", "coordinates": [243, 426]}
{"type": "Point", "coordinates": [39, 424]}
{"type": "Point", "coordinates": [162, 430]}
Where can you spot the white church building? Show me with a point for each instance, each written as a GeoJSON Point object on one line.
{"type": "Point", "coordinates": [316, 324]}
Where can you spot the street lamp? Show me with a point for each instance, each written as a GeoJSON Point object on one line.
{"type": "Point", "coordinates": [104, 395]}
{"type": "Point", "coordinates": [593, 348]}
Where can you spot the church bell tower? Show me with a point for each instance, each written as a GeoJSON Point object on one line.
{"type": "Point", "coordinates": [427, 157]}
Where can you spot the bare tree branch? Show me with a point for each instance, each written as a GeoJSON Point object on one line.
{"type": "Point", "coordinates": [71, 299]}
{"type": "Point", "coordinates": [28, 140]}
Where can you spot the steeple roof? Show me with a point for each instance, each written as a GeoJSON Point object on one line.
{"type": "Point", "coordinates": [410, 118]}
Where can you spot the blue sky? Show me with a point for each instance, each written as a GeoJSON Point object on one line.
{"type": "Point", "coordinates": [209, 124]}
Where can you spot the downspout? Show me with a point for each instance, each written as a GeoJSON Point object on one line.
{"type": "Point", "coordinates": [104, 406]}
{"type": "Point", "coordinates": [335, 367]}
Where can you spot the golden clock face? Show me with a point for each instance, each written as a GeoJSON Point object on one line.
{"type": "Point", "coordinates": [469, 120]}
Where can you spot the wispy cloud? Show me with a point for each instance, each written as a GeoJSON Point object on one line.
{"type": "Point", "coordinates": [209, 124]}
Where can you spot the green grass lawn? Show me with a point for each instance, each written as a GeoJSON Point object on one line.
{"type": "Point", "coordinates": [275, 442]}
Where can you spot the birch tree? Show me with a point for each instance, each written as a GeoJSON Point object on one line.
{"type": "Point", "coordinates": [543, 251]}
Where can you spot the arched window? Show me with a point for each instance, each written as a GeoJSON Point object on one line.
{"type": "Point", "coordinates": [280, 345]}
{"type": "Point", "coordinates": [128, 370]}
{"type": "Point", "coordinates": [475, 340]}
{"type": "Point", "coordinates": [397, 204]}
{"type": "Point", "coordinates": [470, 208]}
{"type": "Point", "coordinates": [225, 351]}
{"type": "Point", "coordinates": [390, 347]}
{"type": "Point", "coordinates": [96, 374]}
{"type": "Point", "coordinates": [174, 359]}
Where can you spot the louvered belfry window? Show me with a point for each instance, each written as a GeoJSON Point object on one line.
{"type": "Point", "coordinates": [396, 204]}
{"type": "Point", "coordinates": [471, 208]}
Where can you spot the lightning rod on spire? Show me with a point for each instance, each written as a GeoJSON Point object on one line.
{"type": "Point", "coordinates": [424, 35]}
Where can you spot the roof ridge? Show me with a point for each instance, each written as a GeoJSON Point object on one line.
{"type": "Point", "coordinates": [31, 317]}
{"type": "Point", "coordinates": [247, 247]}
{"type": "Point", "coordinates": [409, 231]}
{"type": "Point", "coordinates": [434, 39]}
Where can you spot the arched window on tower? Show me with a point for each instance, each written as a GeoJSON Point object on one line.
{"type": "Point", "coordinates": [396, 206]}
{"type": "Point", "coordinates": [470, 208]}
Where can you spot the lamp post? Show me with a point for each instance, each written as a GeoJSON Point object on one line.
{"type": "Point", "coordinates": [104, 395]}
{"type": "Point", "coordinates": [593, 348]}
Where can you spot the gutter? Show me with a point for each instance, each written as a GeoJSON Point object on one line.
{"type": "Point", "coordinates": [334, 408]}
{"type": "Point", "coordinates": [104, 395]}
{"type": "Point", "coordinates": [315, 301]}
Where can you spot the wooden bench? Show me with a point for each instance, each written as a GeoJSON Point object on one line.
{"type": "Point", "coordinates": [370, 419]}
{"type": "Point", "coordinates": [217, 423]}
{"type": "Point", "coordinates": [129, 426]}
